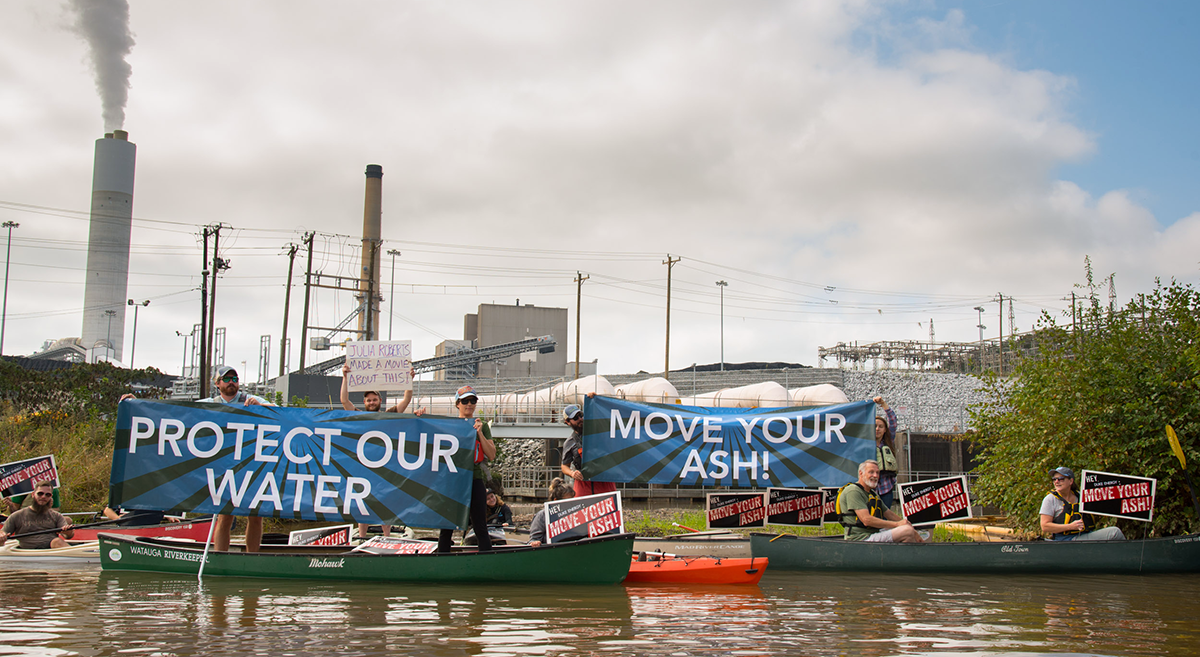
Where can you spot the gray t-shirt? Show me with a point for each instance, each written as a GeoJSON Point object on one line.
{"type": "Point", "coordinates": [26, 520]}
{"type": "Point", "coordinates": [240, 399]}
{"type": "Point", "coordinates": [1053, 507]}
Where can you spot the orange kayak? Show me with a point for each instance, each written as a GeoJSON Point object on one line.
{"type": "Point", "coordinates": [657, 568]}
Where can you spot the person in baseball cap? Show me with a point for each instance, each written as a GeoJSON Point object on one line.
{"type": "Point", "coordinates": [1061, 517]}
{"type": "Point", "coordinates": [572, 454]}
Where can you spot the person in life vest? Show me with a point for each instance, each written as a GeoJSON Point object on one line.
{"type": "Point", "coordinates": [572, 455]}
{"type": "Point", "coordinates": [1061, 517]}
{"type": "Point", "coordinates": [466, 401]}
{"type": "Point", "coordinates": [865, 517]}
{"type": "Point", "coordinates": [885, 453]}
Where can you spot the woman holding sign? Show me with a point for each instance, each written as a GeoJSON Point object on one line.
{"type": "Point", "coordinates": [1061, 517]}
{"type": "Point", "coordinates": [465, 400]}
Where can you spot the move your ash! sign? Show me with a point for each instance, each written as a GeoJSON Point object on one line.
{"type": "Point", "coordinates": [1119, 496]}
{"type": "Point", "coordinates": [935, 500]}
{"type": "Point", "coordinates": [584, 517]}
{"type": "Point", "coordinates": [734, 510]}
{"type": "Point", "coordinates": [796, 506]}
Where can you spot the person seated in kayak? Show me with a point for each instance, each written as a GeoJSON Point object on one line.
{"type": "Point", "coordinates": [865, 517]}
{"type": "Point", "coordinates": [537, 528]}
{"type": "Point", "coordinates": [499, 514]}
{"type": "Point", "coordinates": [1061, 517]}
{"type": "Point", "coordinates": [39, 517]}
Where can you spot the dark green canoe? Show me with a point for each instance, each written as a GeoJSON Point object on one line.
{"type": "Point", "coordinates": [604, 560]}
{"type": "Point", "coordinates": [1176, 554]}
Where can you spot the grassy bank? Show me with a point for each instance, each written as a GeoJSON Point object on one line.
{"type": "Point", "coordinates": [82, 451]}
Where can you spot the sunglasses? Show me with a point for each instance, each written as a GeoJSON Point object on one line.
{"type": "Point", "coordinates": [229, 379]}
{"type": "Point", "coordinates": [469, 400]}
{"type": "Point", "coordinates": [1058, 478]}
{"type": "Point", "coordinates": [43, 494]}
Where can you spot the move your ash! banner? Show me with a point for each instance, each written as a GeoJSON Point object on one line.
{"type": "Point", "coordinates": [18, 477]}
{"type": "Point", "coordinates": [299, 463]}
{"type": "Point", "coordinates": [584, 517]}
{"type": "Point", "coordinates": [1119, 496]}
{"type": "Point", "coordinates": [668, 444]}
{"type": "Point", "coordinates": [935, 500]}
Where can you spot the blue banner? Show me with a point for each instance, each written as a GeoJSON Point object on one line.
{"type": "Point", "coordinates": [669, 444]}
{"type": "Point", "coordinates": [300, 463]}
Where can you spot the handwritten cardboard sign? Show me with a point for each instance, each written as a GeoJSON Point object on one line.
{"type": "Point", "coordinates": [935, 500]}
{"type": "Point", "coordinates": [18, 477]}
{"type": "Point", "coordinates": [584, 517]}
{"type": "Point", "coordinates": [1119, 496]}
{"type": "Point", "coordinates": [732, 510]}
{"type": "Point", "coordinates": [336, 535]}
{"type": "Point", "coordinates": [379, 365]}
{"type": "Point", "coordinates": [800, 507]}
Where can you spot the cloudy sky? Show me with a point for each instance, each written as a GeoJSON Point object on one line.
{"type": "Point", "coordinates": [854, 170]}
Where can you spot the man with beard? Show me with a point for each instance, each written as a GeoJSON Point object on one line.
{"type": "Point", "coordinates": [372, 400]}
{"type": "Point", "coordinates": [572, 455]}
{"type": "Point", "coordinates": [864, 516]}
{"type": "Point", "coordinates": [229, 392]}
{"type": "Point", "coordinates": [39, 517]}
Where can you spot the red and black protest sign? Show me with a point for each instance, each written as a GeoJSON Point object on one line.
{"type": "Point", "coordinates": [803, 507]}
{"type": "Point", "coordinates": [18, 477]}
{"type": "Point", "coordinates": [336, 535]}
{"type": "Point", "coordinates": [831, 514]}
{"type": "Point", "coordinates": [935, 500]}
{"type": "Point", "coordinates": [584, 517]}
{"type": "Point", "coordinates": [390, 545]}
{"type": "Point", "coordinates": [1119, 496]}
{"type": "Point", "coordinates": [732, 510]}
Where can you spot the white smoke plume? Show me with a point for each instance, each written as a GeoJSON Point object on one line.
{"type": "Point", "coordinates": [105, 26]}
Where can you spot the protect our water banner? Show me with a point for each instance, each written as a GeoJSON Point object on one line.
{"type": "Point", "coordinates": [300, 463]}
{"type": "Point", "coordinates": [670, 444]}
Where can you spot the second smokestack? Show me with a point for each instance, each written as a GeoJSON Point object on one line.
{"type": "Point", "coordinates": [371, 242]}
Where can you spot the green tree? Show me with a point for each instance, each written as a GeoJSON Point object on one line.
{"type": "Point", "coordinates": [1097, 396]}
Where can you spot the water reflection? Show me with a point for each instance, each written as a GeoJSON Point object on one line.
{"type": "Point", "coordinates": [85, 612]}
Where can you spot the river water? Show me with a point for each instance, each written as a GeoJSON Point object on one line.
{"type": "Point", "coordinates": [83, 611]}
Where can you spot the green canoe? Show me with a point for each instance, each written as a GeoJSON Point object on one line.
{"type": "Point", "coordinates": [607, 560]}
{"type": "Point", "coordinates": [1175, 554]}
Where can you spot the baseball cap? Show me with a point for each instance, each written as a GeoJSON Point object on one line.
{"type": "Point", "coordinates": [222, 370]}
{"type": "Point", "coordinates": [463, 393]}
{"type": "Point", "coordinates": [570, 411]}
{"type": "Point", "coordinates": [1066, 472]}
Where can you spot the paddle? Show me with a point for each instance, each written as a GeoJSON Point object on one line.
{"type": "Point", "coordinates": [72, 527]}
{"type": "Point", "coordinates": [1178, 449]}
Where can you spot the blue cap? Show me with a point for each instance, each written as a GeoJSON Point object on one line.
{"type": "Point", "coordinates": [571, 411]}
{"type": "Point", "coordinates": [1066, 472]}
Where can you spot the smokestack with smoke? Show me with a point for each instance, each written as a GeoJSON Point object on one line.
{"type": "Point", "coordinates": [105, 26]}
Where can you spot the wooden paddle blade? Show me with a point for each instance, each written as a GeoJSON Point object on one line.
{"type": "Point", "coordinates": [1175, 446]}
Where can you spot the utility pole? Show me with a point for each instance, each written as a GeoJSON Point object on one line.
{"type": "Point", "coordinates": [307, 296]}
{"type": "Point", "coordinates": [392, 293]}
{"type": "Point", "coordinates": [287, 301]}
{"type": "Point", "coordinates": [218, 266]}
{"type": "Point", "coordinates": [1001, 320]}
{"type": "Point", "coordinates": [721, 285]}
{"type": "Point", "coordinates": [979, 310]}
{"type": "Point", "coordinates": [202, 375]}
{"type": "Point", "coordinates": [7, 261]}
{"type": "Point", "coordinates": [579, 279]}
{"type": "Point", "coordinates": [133, 345]}
{"type": "Point", "coordinates": [670, 263]}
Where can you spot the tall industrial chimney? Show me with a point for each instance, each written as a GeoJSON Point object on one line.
{"type": "Point", "coordinates": [371, 243]}
{"type": "Point", "coordinates": [104, 294]}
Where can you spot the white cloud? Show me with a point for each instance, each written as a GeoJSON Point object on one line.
{"type": "Point", "coordinates": [761, 137]}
